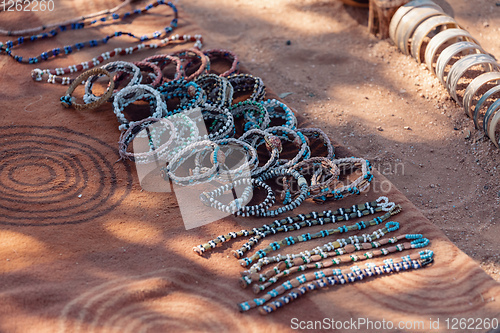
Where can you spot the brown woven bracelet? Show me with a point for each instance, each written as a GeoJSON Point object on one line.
{"type": "Point", "coordinates": [68, 101]}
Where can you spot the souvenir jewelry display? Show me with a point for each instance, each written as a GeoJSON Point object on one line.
{"type": "Point", "coordinates": [9, 45]}
{"type": "Point", "coordinates": [68, 101]}
{"type": "Point", "coordinates": [295, 223]}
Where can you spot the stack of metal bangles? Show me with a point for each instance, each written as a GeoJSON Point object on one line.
{"type": "Point", "coordinates": [418, 21]}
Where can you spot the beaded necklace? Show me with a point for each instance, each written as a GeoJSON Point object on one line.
{"type": "Point", "coordinates": [337, 277]}
{"type": "Point", "coordinates": [295, 282]}
{"type": "Point", "coordinates": [296, 222]}
{"type": "Point", "coordinates": [7, 47]}
{"type": "Point", "coordinates": [304, 263]}
{"type": "Point", "coordinates": [54, 75]}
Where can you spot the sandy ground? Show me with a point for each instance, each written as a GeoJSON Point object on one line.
{"type": "Point", "coordinates": [384, 106]}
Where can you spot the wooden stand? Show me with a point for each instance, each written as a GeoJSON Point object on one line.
{"type": "Point", "coordinates": [380, 14]}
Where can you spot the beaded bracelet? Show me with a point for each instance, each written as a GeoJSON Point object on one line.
{"type": "Point", "coordinates": [243, 83]}
{"type": "Point", "coordinates": [254, 114]}
{"type": "Point", "coordinates": [7, 47]}
{"type": "Point", "coordinates": [288, 241]}
{"type": "Point", "coordinates": [324, 176]}
{"type": "Point", "coordinates": [156, 150]}
{"type": "Point", "coordinates": [244, 169]}
{"type": "Point", "coordinates": [68, 101]}
{"type": "Point", "coordinates": [490, 126]}
{"type": "Point", "coordinates": [424, 258]}
{"type": "Point", "coordinates": [316, 133]}
{"type": "Point", "coordinates": [302, 183]}
{"type": "Point", "coordinates": [287, 114]}
{"type": "Point", "coordinates": [130, 94]}
{"type": "Point", "coordinates": [53, 75]}
{"type": "Point", "coordinates": [163, 60]}
{"type": "Point", "coordinates": [190, 150]}
{"type": "Point", "coordinates": [297, 222]}
{"type": "Point", "coordinates": [213, 54]}
{"type": "Point", "coordinates": [355, 187]}
{"type": "Point", "coordinates": [113, 67]}
{"type": "Point", "coordinates": [289, 267]}
{"type": "Point", "coordinates": [190, 57]}
{"type": "Point", "coordinates": [328, 247]}
{"type": "Point", "coordinates": [221, 119]}
{"type": "Point", "coordinates": [189, 94]}
{"type": "Point", "coordinates": [218, 89]}
{"type": "Point", "coordinates": [238, 205]}
{"type": "Point", "coordinates": [155, 75]}
{"type": "Point", "coordinates": [273, 145]}
{"type": "Point", "coordinates": [297, 138]}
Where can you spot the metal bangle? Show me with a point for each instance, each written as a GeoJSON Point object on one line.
{"type": "Point", "coordinates": [449, 53]}
{"type": "Point", "coordinates": [409, 23]}
{"type": "Point", "coordinates": [463, 65]}
{"type": "Point", "coordinates": [480, 103]}
{"type": "Point", "coordinates": [440, 39]}
{"type": "Point", "coordinates": [474, 86]}
{"type": "Point", "coordinates": [425, 29]}
{"type": "Point", "coordinates": [405, 9]}
{"type": "Point", "coordinates": [494, 108]}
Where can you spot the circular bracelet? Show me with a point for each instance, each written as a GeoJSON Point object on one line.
{"type": "Point", "coordinates": [190, 58]}
{"type": "Point", "coordinates": [354, 187]}
{"type": "Point", "coordinates": [188, 94]}
{"type": "Point", "coordinates": [243, 83]}
{"type": "Point", "coordinates": [315, 133]}
{"type": "Point", "coordinates": [440, 39]}
{"type": "Point", "coordinates": [222, 122]}
{"type": "Point", "coordinates": [463, 65]}
{"type": "Point", "coordinates": [68, 101]}
{"type": "Point", "coordinates": [163, 60]}
{"type": "Point", "coordinates": [244, 169]}
{"type": "Point", "coordinates": [474, 86]}
{"type": "Point", "coordinates": [214, 54]}
{"type": "Point", "coordinates": [218, 89]}
{"type": "Point", "coordinates": [450, 53]}
{"type": "Point", "coordinates": [287, 114]}
{"type": "Point", "coordinates": [153, 78]}
{"type": "Point", "coordinates": [273, 145]}
{"type": "Point", "coordinates": [237, 206]}
{"type": "Point", "coordinates": [482, 100]}
{"type": "Point", "coordinates": [130, 94]}
{"type": "Point", "coordinates": [323, 176]}
{"type": "Point", "coordinates": [297, 138]}
{"type": "Point", "coordinates": [254, 114]}
{"type": "Point", "coordinates": [191, 149]}
{"type": "Point", "coordinates": [490, 126]}
{"type": "Point", "coordinates": [156, 147]}
{"type": "Point", "coordinates": [113, 67]}
{"type": "Point", "coordinates": [302, 183]}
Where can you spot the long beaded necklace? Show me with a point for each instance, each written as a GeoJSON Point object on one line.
{"type": "Point", "coordinates": [288, 241]}
{"type": "Point", "coordinates": [6, 48]}
{"type": "Point", "coordinates": [295, 223]}
{"type": "Point", "coordinates": [337, 277]}
{"type": "Point", "coordinates": [328, 247]}
{"type": "Point", "coordinates": [304, 263]}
